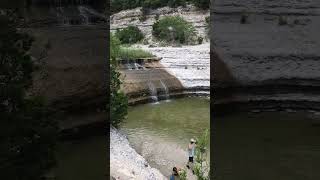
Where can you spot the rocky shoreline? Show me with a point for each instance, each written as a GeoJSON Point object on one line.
{"type": "Point", "coordinates": [126, 163]}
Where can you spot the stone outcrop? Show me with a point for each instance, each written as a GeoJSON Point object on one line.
{"type": "Point", "coordinates": [181, 71]}
{"type": "Point", "coordinates": [139, 83]}
{"type": "Point", "coordinates": [71, 61]}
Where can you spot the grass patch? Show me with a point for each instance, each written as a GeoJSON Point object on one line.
{"type": "Point", "coordinates": [129, 53]}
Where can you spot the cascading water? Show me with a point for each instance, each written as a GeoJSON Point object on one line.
{"type": "Point", "coordinates": [77, 15]}
{"type": "Point", "coordinates": [134, 66]}
{"type": "Point", "coordinates": [153, 92]}
{"type": "Point", "coordinates": [166, 90]}
{"type": "Point", "coordinates": [92, 12]}
{"type": "Point", "coordinates": [84, 15]}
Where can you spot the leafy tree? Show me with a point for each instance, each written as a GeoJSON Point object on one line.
{"type": "Point", "coordinates": [27, 136]}
{"type": "Point", "coordinates": [153, 3]}
{"type": "Point", "coordinates": [176, 3]}
{"type": "Point", "coordinates": [174, 29]}
{"type": "Point", "coordinates": [129, 35]}
{"type": "Point", "coordinates": [202, 4]}
{"type": "Point", "coordinates": [118, 100]}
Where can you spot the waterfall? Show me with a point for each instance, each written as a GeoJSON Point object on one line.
{"type": "Point", "coordinates": [134, 66]}
{"type": "Point", "coordinates": [153, 92]}
{"type": "Point", "coordinates": [166, 90]}
{"type": "Point", "coordinates": [84, 15]}
{"type": "Point", "coordinates": [77, 15]}
{"type": "Point", "coordinates": [61, 15]}
{"type": "Point", "coordinates": [138, 66]}
{"type": "Point", "coordinates": [128, 66]}
{"type": "Point", "coordinates": [93, 12]}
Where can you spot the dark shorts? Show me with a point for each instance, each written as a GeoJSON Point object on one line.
{"type": "Point", "coordinates": [191, 159]}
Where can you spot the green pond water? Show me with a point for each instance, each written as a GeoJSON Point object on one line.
{"type": "Point", "coordinates": [267, 146]}
{"type": "Point", "coordinates": [161, 132]}
{"type": "Point", "coordinates": [84, 159]}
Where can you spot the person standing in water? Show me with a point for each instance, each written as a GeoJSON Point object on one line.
{"type": "Point", "coordinates": [191, 149]}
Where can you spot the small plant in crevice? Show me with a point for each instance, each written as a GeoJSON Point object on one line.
{"type": "Point", "coordinates": [200, 40]}
{"type": "Point", "coordinates": [156, 17]}
{"type": "Point", "coordinates": [144, 12]}
{"type": "Point", "coordinates": [282, 20]}
{"type": "Point", "coordinates": [208, 25]}
{"type": "Point", "coordinates": [244, 18]}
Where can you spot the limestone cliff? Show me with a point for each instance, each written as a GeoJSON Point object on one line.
{"type": "Point", "coordinates": [272, 54]}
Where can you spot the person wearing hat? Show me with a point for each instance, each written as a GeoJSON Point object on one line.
{"type": "Point", "coordinates": [191, 149]}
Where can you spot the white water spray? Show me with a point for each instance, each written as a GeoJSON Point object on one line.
{"type": "Point", "coordinates": [153, 92]}
{"type": "Point", "coordinates": [166, 90]}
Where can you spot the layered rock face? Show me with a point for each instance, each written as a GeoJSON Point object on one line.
{"type": "Point", "coordinates": [189, 64]}
{"type": "Point", "coordinates": [133, 17]}
{"type": "Point", "coordinates": [181, 70]}
{"type": "Point", "coordinates": [71, 60]}
{"type": "Point", "coordinates": [270, 48]}
{"type": "Point", "coordinates": [148, 81]}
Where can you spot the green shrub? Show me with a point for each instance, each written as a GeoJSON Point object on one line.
{"type": "Point", "coordinates": [201, 167]}
{"type": "Point", "coordinates": [118, 100]}
{"type": "Point", "coordinates": [114, 46]}
{"type": "Point", "coordinates": [174, 29]}
{"type": "Point", "coordinates": [153, 4]}
{"type": "Point", "coordinates": [183, 174]}
{"type": "Point", "coordinates": [129, 35]}
{"type": "Point", "coordinates": [176, 3]}
{"type": "Point", "coordinates": [28, 135]}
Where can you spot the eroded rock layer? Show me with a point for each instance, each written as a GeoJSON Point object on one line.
{"type": "Point", "coordinates": [271, 50]}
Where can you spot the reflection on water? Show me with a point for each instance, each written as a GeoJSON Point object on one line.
{"type": "Point", "coordinates": [161, 132]}
{"type": "Point", "coordinates": [267, 146]}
